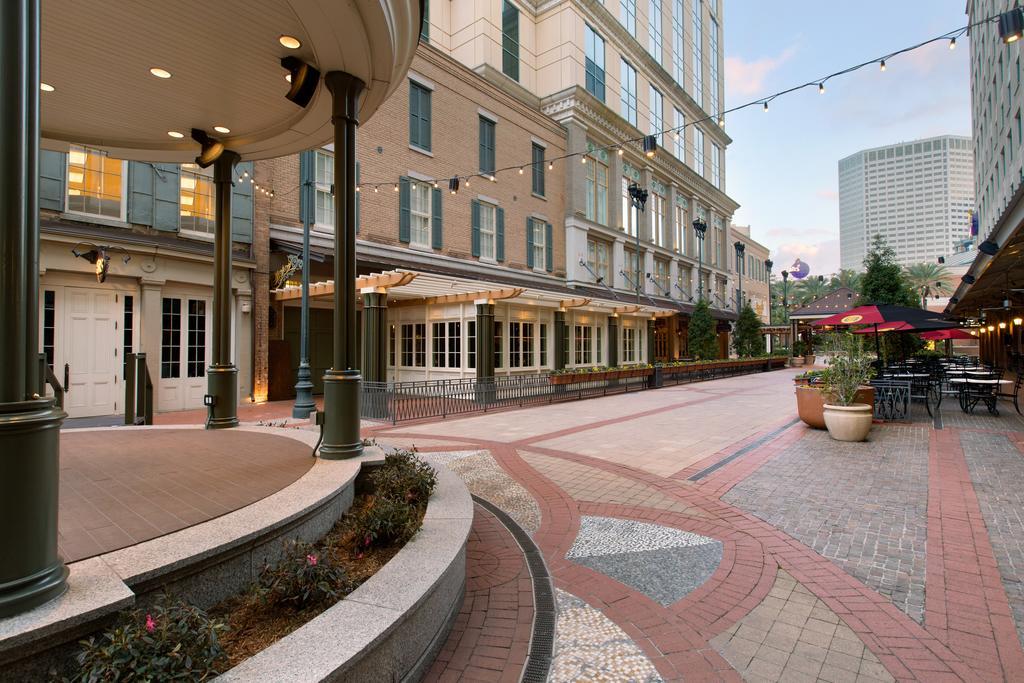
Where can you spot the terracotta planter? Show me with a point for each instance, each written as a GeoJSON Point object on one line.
{"type": "Point", "coordinates": [810, 405]}
{"type": "Point", "coordinates": [796, 361]}
{"type": "Point", "coordinates": [848, 423]}
{"type": "Point", "coordinates": [809, 359]}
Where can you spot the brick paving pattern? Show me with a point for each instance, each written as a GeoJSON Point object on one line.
{"type": "Point", "coordinates": [793, 636]}
{"type": "Point", "coordinates": [490, 638]}
{"type": "Point", "coordinates": [119, 488]}
{"type": "Point", "coordinates": [863, 508]}
{"type": "Point", "coordinates": [997, 471]}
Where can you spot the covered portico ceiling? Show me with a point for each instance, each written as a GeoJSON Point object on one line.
{"type": "Point", "coordinates": [224, 61]}
{"type": "Point", "coordinates": [427, 288]}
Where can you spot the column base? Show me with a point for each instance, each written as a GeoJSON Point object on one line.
{"type": "Point", "coordinates": [342, 437]}
{"type": "Point", "coordinates": [31, 571]}
{"type": "Point", "coordinates": [304, 403]}
{"type": "Point", "coordinates": [222, 384]}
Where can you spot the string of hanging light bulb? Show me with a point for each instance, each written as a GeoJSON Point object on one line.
{"type": "Point", "coordinates": [262, 189]}
{"type": "Point", "coordinates": [1011, 27]}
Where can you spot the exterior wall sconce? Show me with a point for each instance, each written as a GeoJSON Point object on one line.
{"type": "Point", "coordinates": [99, 256]}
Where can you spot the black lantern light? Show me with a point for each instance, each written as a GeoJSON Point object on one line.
{"type": "Point", "coordinates": [99, 256]}
{"type": "Point", "coordinates": [1011, 25]}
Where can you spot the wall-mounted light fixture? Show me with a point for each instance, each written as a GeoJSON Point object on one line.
{"type": "Point", "coordinates": [99, 256]}
{"type": "Point", "coordinates": [304, 79]}
{"type": "Point", "coordinates": [210, 148]}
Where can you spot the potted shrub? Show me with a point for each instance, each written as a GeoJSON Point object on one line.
{"type": "Point", "coordinates": [798, 353]}
{"type": "Point", "coordinates": [809, 356]}
{"type": "Point", "coordinates": [848, 369]}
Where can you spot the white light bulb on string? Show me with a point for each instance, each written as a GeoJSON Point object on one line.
{"type": "Point", "coordinates": [766, 106]}
{"type": "Point", "coordinates": [881, 65]}
{"type": "Point", "coordinates": [520, 170]}
{"type": "Point", "coordinates": [952, 43]}
{"type": "Point", "coordinates": [821, 88]}
{"type": "Point", "coordinates": [583, 159]}
{"type": "Point", "coordinates": [621, 151]}
{"type": "Point", "coordinates": [551, 165]}
{"type": "Point", "coordinates": [375, 189]}
{"type": "Point", "coordinates": [396, 187]}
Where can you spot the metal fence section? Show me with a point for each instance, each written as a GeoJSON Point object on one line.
{"type": "Point", "coordinates": [402, 401]}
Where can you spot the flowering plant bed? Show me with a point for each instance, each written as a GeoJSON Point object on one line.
{"type": "Point", "coordinates": [174, 640]}
{"type": "Point", "coordinates": [576, 375]}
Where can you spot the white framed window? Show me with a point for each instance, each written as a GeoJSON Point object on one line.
{"type": "Point", "coordinates": [631, 267]}
{"type": "Point", "coordinates": [323, 180]}
{"type": "Point", "coordinates": [95, 184]}
{"type": "Point", "coordinates": [414, 345]}
{"type": "Point", "coordinates": [716, 165]}
{"type": "Point", "coordinates": [698, 56]}
{"type": "Point", "coordinates": [628, 15]}
{"type": "Point", "coordinates": [678, 43]}
{"type": "Point", "coordinates": [657, 104]}
{"type": "Point", "coordinates": [627, 84]}
{"type": "Point", "coordinates": [628, 344]}
{"type": "Point", "coordinates": [698, 151]}
{"type": "Point", "coordinates": [679, 135]}
{"type": "Point", "coordinates": [446, 344]}
{"type": "Point", "coordinates": [196, 203]}
{"type": "Point", "coordinates": [654, 43]}
{"type": "Point", "coordinates": [630, 220]}
{"type": "Point", "coordinates": [521, 344]}
{"type": "Point", "coordinates": [682, 230]}
{"type": "Point", "coordinates": [583, 345]}
{"type": "Point", "coordinates": [597, 192]}
{"type": "Point", "coordinates": [658, 218]}
{"type": "Point", "coordinates": [539, 230]}
{"type": "Point", "coordinates": [713, 65]}
{"type": "Point", "coordinates": [598, 260]}
{"type": "Point", "coordinates": [420, 198]}
{"type": "Point", "coordinates": [488, 230]}
{"type": "Point", "coordinates": [661, 275]}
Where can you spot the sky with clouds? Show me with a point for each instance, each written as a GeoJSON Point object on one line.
{"type": "Point", "coordinates": [782, 165]}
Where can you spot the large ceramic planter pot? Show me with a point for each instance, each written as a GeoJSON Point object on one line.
{"type": "Point", "coordinates": [848, 423]}
{"type": "Point", "coordinates": [796, 361]}
{"type": "Point", "coordinates": [809, 359]}
{"type": "Point", "coordinates": [810, 405]}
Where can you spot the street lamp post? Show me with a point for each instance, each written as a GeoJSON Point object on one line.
{"type": "Point", "coordinates": [304, 404]}
{"type": "Point", "coordinates": [639, 199]}
{"type": "Point", "coordinates": [741, 249]}
{"type": "Point", "coordinates": [768, 266]}
{"type": "Point", "coordinates": [699, 228]}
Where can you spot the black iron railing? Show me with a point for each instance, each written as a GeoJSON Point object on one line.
{"type": "Point", "coordinates": [401, 401]}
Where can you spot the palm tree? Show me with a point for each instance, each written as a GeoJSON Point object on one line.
{"type": "Point", "coordinates": [928, 280]}
{"type": "Point", "coordinates": [809, 289]}
{"type": "Point", "coordinates": [846, 278]}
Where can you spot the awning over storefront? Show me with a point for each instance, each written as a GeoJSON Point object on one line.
{"type": "Point", "coordinates": [407, 288]}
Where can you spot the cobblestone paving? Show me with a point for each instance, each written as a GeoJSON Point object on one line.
{"type": "Point", "coordinates": [664, 564]}
{"type": "Point", "coordinates": [1007, 420]}
{"type": "Point", "coordinates": [594, 485]}
{"type": "Point", "coordinates": [863, 506]}
{"type": "Point", "coordinates": [997, 471]}
{"type": "Point", "coordinates": [485, 478]}
{"type": "Point", "coordinates": [590, 647]}
{"type": "Point", "coordinates": [792, 636]}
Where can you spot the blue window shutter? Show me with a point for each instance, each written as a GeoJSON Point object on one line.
{"type": "Point", "coordinates": [436, 235]}
{"type": "Point", "coordinates": [499, 249]}
{"type": "Point", "coordinates": [358, 200]}
{"type": "Point", "coordinates": [242, 206]}
{"type": "Point", "coordinates": [307, 195]}
{"type": "Point", "coordinates": [476, 227]}
{"type": "Point", "coordinates": [52, 166]}
{"type": "Point", "coordinates": [549, 250]}
{"type": "Point", "coordinates": [166, 196]}
{"type": "Point", "coordinates": [140, 193]}
{"type": "Point", "coordinates": [529, 243]}
{"type": "Point", "coordinates": [403, 211]}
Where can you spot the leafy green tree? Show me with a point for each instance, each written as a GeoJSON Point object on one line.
{"type": "Point", "coordinates": [883, 281]}
{"type": "Point", "coordinates": [701, 336]}
{"type": "Point", "coordinates": [810, 289]}
{"type": "Point", "coordinates": [747, 338]}
{"type": "Point", "coordinates": [928, 280]}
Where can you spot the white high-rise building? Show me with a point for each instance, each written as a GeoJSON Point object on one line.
{"type": "Point", "coordinates": [918, 195]}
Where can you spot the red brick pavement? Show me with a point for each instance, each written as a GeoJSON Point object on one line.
{"type": "Point", "coordinates": [490, 638]}
{"type": "Point", "coordinates": [968, 632]}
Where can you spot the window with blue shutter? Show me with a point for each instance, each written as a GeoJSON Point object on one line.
{"type": "Point", "coordinates": [549, 260]}
{"type": "Point", "coordinates": [475, 223]}
{"type": "Point", "coordinates": [403, 210]}
{"type": "Point", "coordinates": [499, 247]}
{"type": "Point", "coordinates": [436, 239]}
{"type": "Point", "coordinates": [538, 170]}
{"type": "Point", "coordinates": [154, 192]}
{"type": "Point", "coordinates": [419, 116]}
{"type": "Point", "coordinates": [487, 163]}
{"type": "Point", "coordinates": [51, 179]}
{"type": "Point", "coordinates": [242, 206]}
{"type": "Point", "coordinates": [529, 243]}
{"type": "Point", "coordinates": [359, 202]}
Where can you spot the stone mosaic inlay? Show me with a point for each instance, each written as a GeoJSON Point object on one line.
{"type": "Point", "coordinates": [663, 563]}
{"type": "Point", "coordinates": [590, 647]}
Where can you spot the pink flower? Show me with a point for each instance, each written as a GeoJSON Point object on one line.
{"type": "Point", "coordinates": [359, 556]}
{"type": "Point", "coordinates": [150, 623]}
{"type": "Point", "coordinates": [366, 541]}
{"type": "Point", "coordinates": [311, 560]}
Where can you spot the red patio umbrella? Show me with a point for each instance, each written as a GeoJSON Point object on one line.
{"type": "Point", "coordinates": [887, 318]}
{"type": "Point", "coordinates": [940, 335]}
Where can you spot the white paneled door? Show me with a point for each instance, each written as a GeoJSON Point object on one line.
{"type": "Point", "coordinates": [90, 347]}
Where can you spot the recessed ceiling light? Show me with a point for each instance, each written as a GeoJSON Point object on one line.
{"type": "Point", "coordinates": [290, 42]}
{"type": "Point", "coordinates": [175, 134]}
{"type": "Point", "coordinates": [160, 73]}
{"type": "Point", "coordinates": [222, 129]}
{"type": "Point", "coordinates": [46, 87]}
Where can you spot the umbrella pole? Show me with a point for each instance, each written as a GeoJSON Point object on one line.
{"type": "Point", "coordinates": [878, 350]}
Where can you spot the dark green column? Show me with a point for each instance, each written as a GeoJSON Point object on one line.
{"type": "Point", "coordinates": [650, 341]}
{"type": "Point", "coordinates": [375, 336]}
{"type": "Point", "coordinates": [613, 341]}
{"type": "Point", "coordinates": [484, 341]}
{"type": "Point", "coordinates": [222, 375]}
{"type": "Point", "coordinates": [561, 341]}
{"type": "Point", "coordinates": [342, 382]}
{"type": "Point", "coordinates": [31, 571]}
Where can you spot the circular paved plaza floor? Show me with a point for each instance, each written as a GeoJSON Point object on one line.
{"type": "Point", "coordinates": [702, 532]}
{"type": "Point", "coordinates": [119, 487]}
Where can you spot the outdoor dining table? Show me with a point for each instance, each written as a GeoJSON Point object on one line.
{"type": "Point", "coordinates": [918, 389]}
{"type": "Point", "coordinates": [990, 400]}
